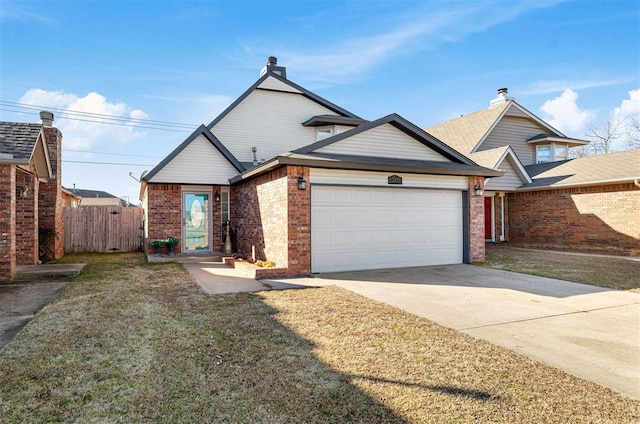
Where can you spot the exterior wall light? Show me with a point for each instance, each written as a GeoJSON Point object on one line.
{"type": "Point", "coordinates": [302, 183]}
{"type": "Point", "coordinates": [217, 196]}
{"type": "Point", "coordinates": [478, 189]}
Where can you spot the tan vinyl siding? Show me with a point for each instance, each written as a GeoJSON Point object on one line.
{"type": "Point", "coordinates": [384, 141]}
{"type": "Point", "coordinates": [199, 163]}
{"type": "Point", "coordinates": [269, 120]}
{"type": "Point", "coordinates": [515, 132]}
{"type": "Point", "coordinates": [509, 181]}
{"type": "Point", "coordinates": [273, 84]}
{"type": "Point", "coordinates": [380, 179]}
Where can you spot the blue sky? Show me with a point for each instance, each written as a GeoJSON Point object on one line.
{"type": "Point", "coordinates": [569, 62]}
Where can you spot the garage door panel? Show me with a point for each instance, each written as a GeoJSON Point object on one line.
{"type": "Point", "coordinates": [371, 227]}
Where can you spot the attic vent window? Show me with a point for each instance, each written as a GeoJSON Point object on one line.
{"type": "Point", "coordinates": [323, 133]}
{"type": "Point", "coordinates": [395, 180]}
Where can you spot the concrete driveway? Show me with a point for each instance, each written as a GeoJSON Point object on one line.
{"type": "Point", "coordinates": [587, 331]}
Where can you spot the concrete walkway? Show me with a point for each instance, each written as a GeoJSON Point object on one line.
{"type": "Point", "coordinates": [587, 331]}
{"type": "Point", "coordinates": [217, 278]}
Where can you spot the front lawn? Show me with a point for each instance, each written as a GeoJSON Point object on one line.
{"type": "Point", "coordinates": [603, 271]}
{"type": "Point", "coordinates": [134, 342]}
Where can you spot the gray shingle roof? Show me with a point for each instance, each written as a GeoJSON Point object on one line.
{"type": "Point", "coordinates": [18, 140]}
{"type": "Point", "coordinates": [609, 168]}
{"type": "Point", "coordinates": [465, 132]}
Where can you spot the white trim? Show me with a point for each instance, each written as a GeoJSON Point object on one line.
{"type": "Point", "coordinates": [502, 237]}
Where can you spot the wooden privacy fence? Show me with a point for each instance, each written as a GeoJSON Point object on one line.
{"type": "Point", "coordinates": [103, 229]}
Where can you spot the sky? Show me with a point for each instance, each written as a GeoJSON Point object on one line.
{"type": "Point", "coordinates": [128, 81]}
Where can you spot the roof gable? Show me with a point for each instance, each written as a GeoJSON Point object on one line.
{"type": "Point", "coordinates": [468, 132]}
{"type": "Point", "coordinates": [506, 160]}
{"type": "Point", "coordinates": [203, 139]}
{"type": "Point", "coordinates": [272, 81]}
{"type": "Point", "coordinates": [21, 143]}
{"type": "Point", "coordinates": [373, 140]}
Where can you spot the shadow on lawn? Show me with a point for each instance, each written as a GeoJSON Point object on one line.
{"type": "Point", "coordinates": [447, 390]}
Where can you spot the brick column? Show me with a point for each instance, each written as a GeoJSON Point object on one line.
{"type": "Point", "coordinates": [476, 221]}
{"type": "Point", "coordinates": [7, 220]}
{"type": "Point", "coordinates": [51, 205]}
{"type": "Point", "coordinates": [26, 222]}
{"type": "Point", "coordinates": [299, 223]}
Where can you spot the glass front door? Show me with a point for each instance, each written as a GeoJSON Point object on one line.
{"type": "Point", "coordinates": [196, 222]}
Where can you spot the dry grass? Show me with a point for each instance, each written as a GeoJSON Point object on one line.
{"type": "Point", "coordinates": [132, 342]}
{"type": "Point", "coordinates": [603, 271]}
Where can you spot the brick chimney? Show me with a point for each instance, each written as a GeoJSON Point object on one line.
{"type": "Point", "coordinates": [51, 206]}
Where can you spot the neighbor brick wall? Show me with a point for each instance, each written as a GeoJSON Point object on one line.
{"type": "Point", "coordinates": [51, 204]}
{"type": "Point", "coordinates": [164, 202]}
{"type": "Point", "coordinates": [598, 219]}
{"type": "Point", "coordinates": [26, 217]}
{"type": "Point", "coordinates": [476, 221]}
{"type": "Point", "coordinates": [7, 218]}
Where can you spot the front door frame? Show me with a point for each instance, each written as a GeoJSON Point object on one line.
{"type": "Point", "coordinates": [491, 219]}
{"type": "Point", "coordinates": [185, 190]}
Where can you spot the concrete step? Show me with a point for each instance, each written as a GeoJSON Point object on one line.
{"type": "Point", "coordinates": [48, 272]}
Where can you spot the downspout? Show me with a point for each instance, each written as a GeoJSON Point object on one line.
{"type": "Point", "coordinates": [501, 216]}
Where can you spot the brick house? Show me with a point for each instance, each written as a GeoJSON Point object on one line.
{"type": "Point", "coordinates": [316, 188]}
{"type": "Point", "coordinates": [31, 205]}
{"type": "Point", "coordinates": [544, 199]}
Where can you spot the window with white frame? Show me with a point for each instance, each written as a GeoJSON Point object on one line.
{"type": "Point", "coordinates": [543, 153]}
{"type": "Point", "coordinates": [560, 151]}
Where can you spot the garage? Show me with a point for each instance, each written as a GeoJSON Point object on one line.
{"type": "Point", "coordinates": [355, 227]}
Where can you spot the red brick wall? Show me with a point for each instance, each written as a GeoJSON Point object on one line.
{"type": "Point", "coordinates": [26, 218]}
{"type": "Point", "coordinates": [260, 210]}
{"type": "Point", "coordinates": [7, 218]}
{"type": "Point", "coordinates": [51, 204]}
{"type": "Point", "coordinates": [164, 218]}
{"type": "Point", "coordinates": [598, 219]}
{"type": "Point", "coordinates": [476, 221]}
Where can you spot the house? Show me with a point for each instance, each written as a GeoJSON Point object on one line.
{"type": "Point", "coordinates": [70, 199]}
{"type": "Point", "coordinates": [97, 198]}
{"type": "Point", "coordinates": [315, 188]}
{"type": "Point", "coordinates": [31, 222]}
{"type": "Point", "coordinates": [544, 199]}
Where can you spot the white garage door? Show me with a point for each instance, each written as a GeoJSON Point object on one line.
{"type": "Point", "coordinates": [355, 228]}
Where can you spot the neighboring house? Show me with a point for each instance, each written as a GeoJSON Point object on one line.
{"type": "Point", "coordinates": [316, 188]}
{"type": "Point", "coordinates": [543, 199]}
{"type": "Point", "coordinates": [31, 222]}
{"type": "Point", "coordinates": [70, 199]}
{"type": "Point", "coordinates": [97, 198]}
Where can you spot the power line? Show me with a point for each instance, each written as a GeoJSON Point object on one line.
{"type": "Point", "coordinates": [98, 118]}
{"type": "Point", "coordinates": [108, 163]}
{"type": "Point", "coordinates": [107, 153]}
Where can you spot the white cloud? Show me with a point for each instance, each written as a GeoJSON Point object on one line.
{"type": "Point", "coordinates": [90, 120]}
{"type": "Point", "coordinates": [629, 107]}
{"type": "Point", "coordinates": [564, 114]}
